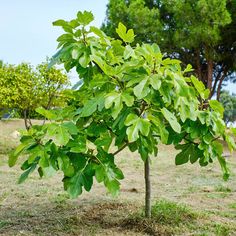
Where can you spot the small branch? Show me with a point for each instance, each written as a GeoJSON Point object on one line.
{"type": "Point", "coordinates": [190, 141]}
{"type": "Point", "coordinates": [84, 37]}
{"type": "Point", "coordinates": [215, 139]}
{"type": "Point", "coordinates": [120, 149]}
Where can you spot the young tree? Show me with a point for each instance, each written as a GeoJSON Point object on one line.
{"type": "Point", "coordinates": [200, 32]}
{"type": "Point", "coordinates": [130, 96]}
{"type": "Point", "coordinates": [24, 88]}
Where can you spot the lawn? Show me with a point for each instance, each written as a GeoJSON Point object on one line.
{"type": "Point", "coordinates": [187, 200]}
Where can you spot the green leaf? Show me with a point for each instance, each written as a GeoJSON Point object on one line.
{"type": "Point", "coordinates": [58, 133]}
{"type": "Point", "coordinates": [217, 106]}
{"type": "Point", "coordinates": [189, 152]}
{"type": "Point", "coordinates": [143, 152]}
{"type": "Point", "coordinates": [74, 185]}
{"type": "Point", "coordinates": [60, 23]}
{"type": "Point", "coordinates": [113, 187]}
{"type": "Point", "coordinates": [65, 165]}
{"type": "Point", "coordinates": [184, 110]}
{"type": "Point", "coordinates": [78, 145]}
{"type": "Point", "coordinates": [137, 125]}
{"type": "Point", "coordinates": [26, 174]}
{"type": "Point", "coordinates": [84, 60]}
{"type": "Point", "coordinates": [75, 53]}
{"type": "Point", "coordinates": [128, 36]}
{"type": "Point", "coordinates": [224, 167]}
{"type": "Point", "coordinates": [159, 128]}
{"type": "Point", "coordinates": [85, 18]}
{"type": "Point", "coordinates": [127, 99]}
{"type": "Point", "coordinates": [144, 126]}
{"type": "Point", "coordinates": [230, 142]}
{"type": "Point", "coordinates": [19, 150]}
{"type": "Point", "coordinates": [141, 90]}
{"type": "Point", "coordinates": [110, 99]}
{"type": "Point", "coordinates": [171, 119]}
{"type": "Point", "coordinates": [89, 108]}
{"type": "Point", "coordinates": [48, 171]}
{"type": "Point", "coordinates": [155, 81]}
{"type": "Point", "coordinates": [104, 141]}
{"type": "Point", "coordinates": [51, 115]}
{"type": "Point", "coordinates": [131, 118]}
{"type": "Point", "coordinates": [199, 86]}
{"type": "Point", "coordinates": [78, 33]}
{"type": "Point", "coordinates": [71, 127]}
{"type": "Point", "coordinates": [218, 148]}
{"type": "Point", "coordinates": [114, 98]}
{"type": "Point", "coordinates": [128, 52]}
{"type": "Point", "coordinates": [65, 38]}
{"type": "Point", "coordinates": [99, 173]}
{"type": "Point", "coordinates": [233, 130]}
{"type": "Point", "coordinates": [97, 31]}
{"type": "Point", "coordinates": [189, 68]}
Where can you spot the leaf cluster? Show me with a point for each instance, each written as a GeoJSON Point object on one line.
{"type": "Point", "coordinates": [127, 96]}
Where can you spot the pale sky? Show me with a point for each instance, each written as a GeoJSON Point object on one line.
{"type": "Point", "coordinates": [26, 31]}
{"type": "Point", "coordinates": [26, 27]}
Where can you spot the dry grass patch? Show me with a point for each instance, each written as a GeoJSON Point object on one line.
{"type": "Point", "coordinates": [197, 200]}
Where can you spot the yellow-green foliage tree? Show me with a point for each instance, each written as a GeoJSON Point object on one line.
{"type": "Point", "coordinates": [24, 88]}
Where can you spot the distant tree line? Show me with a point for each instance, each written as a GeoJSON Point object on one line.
{"type": "Point", "coordinates": [24, 88]}
{"type": "Point", "coordinates": [229, 103]}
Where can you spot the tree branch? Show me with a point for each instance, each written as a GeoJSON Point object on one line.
{"type": "Point", "coordinates": [120, 149]}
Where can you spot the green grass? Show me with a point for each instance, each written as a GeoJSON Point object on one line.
{"type": "Point", "coordinates": [232, 205]}
{"type": "Point", "coordinates": [3, 223]}
{"type": "Point", "coordinates": [166, 212]}
{"type": "Point", "coordinates": [167, 218]}
{"type": "Point", "coordinates": [222, 188]}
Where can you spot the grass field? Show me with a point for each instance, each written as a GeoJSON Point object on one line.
{"type": "Point", "coordinates": [187, 200]}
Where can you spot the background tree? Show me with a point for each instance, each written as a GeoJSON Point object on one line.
{"type": "Point", "coordinates": [24, 88]}
{"type": "Point", "coordinates": [199, 32]}
{"type": "Point", "coordinates": [130, 97]}
{"type": "Point", "coordinates": [229, 103]}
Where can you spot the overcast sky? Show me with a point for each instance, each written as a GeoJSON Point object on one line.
{"type": "Point", "coordinates": [26, 30]}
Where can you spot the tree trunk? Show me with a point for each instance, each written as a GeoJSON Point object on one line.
{"type": "Point", "coordinates": [219, 88]}
{"type": "Point", "coordinates": [147, 188]}
{"type": "Point", "coordinates": [209, 74]}
{"type": "Point", "coordinates": [27, 126]}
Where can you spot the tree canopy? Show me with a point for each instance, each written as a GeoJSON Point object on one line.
{"type": "Point", "coordinates": [129, 96]}
{"type": "Point", "coordinates": [199, 32]}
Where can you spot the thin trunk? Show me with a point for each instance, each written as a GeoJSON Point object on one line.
{"type": "Point", "coordinates": [147, 188]}
{"type": "Point", "coordinates": [29, 120]}
{"type": "Point", "coordinates": [25, 120]}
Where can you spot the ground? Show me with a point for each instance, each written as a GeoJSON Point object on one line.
{"type": "Point", "coordinates": [187, 200]}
